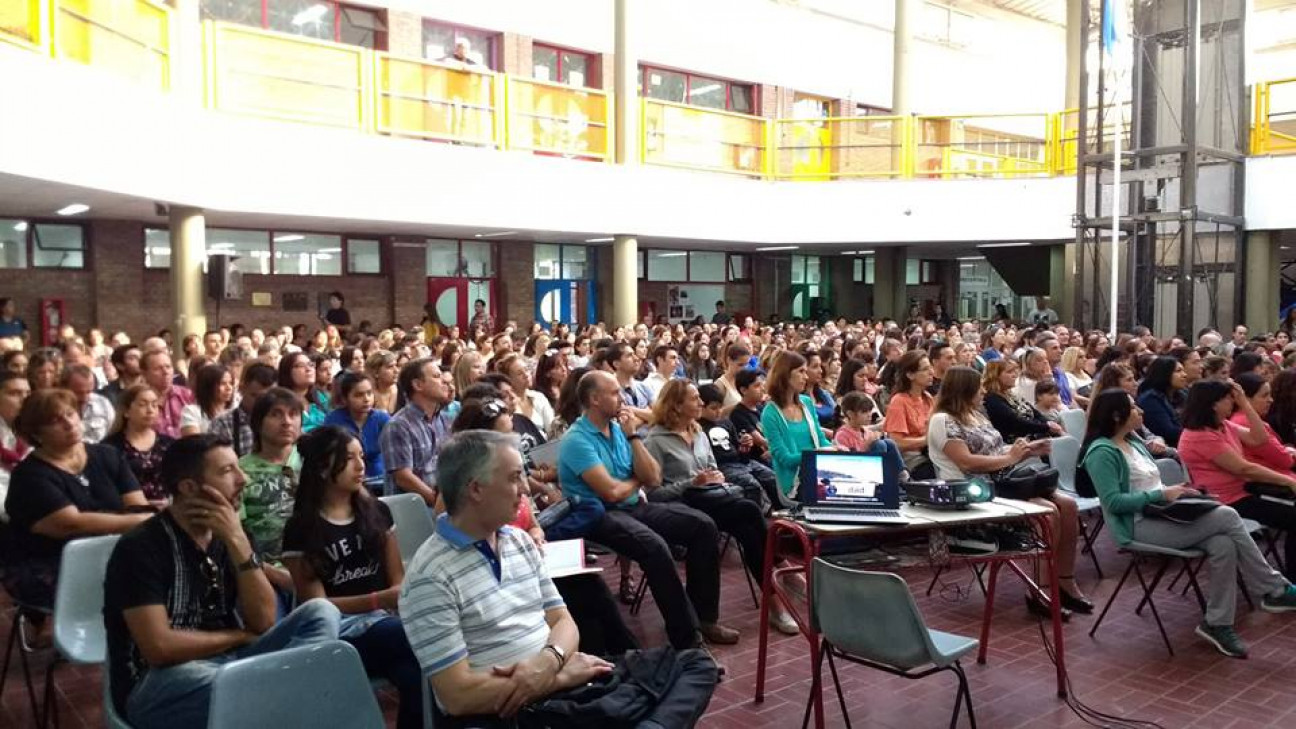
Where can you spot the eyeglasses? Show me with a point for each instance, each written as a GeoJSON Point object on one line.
{"type": "Point", "coordinates": [494, 408]}
{"type": "Point", "coordinates": [213, 602]}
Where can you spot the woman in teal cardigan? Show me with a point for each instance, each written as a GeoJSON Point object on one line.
{"type": "Point", "coordinates": [1127, 479]}
{"type": "Point", "coordinates": [789, 421]}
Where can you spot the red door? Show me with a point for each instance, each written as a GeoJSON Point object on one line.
{"type": "Point", "coordinates": [454, 297]}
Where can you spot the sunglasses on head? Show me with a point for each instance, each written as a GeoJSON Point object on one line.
{"type": "Point", "coordinates": [494, 408]}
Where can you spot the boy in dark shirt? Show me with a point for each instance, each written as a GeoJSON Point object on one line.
{"type": "Point", "coordinates": [733, 450]}
{"type": "Point", "coordinates": [746, 414]}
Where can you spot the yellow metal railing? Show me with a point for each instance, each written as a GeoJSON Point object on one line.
{"type": "Point", "coordinates": [555, 119]}
{"type": "Point", "coordinates": [840, 147]}
{"type": "Point", "coordinates": [1004, 145]}
{"type": "Point", "coordinates": [417, 98]}
{"type": "Point", "coordinates": [1273, 129]}
{"type": "Point", "coordinates": [23, 23]}
{"type": "Point", "coordinates": [288, 77]}
{"type": "Point", "coordinates": [129, 38]}
{"type": "Point", "coordinates": [1066, 135]}
{"type": "Point", "coordinates": [691, 137]}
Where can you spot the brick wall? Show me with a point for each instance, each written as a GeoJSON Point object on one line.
{"type": "Point", "coordinates": [515, 55]}
{"type": "Point", "coordinates": [405, 33]}
{"type": "Point", "coordinates": [408, 279]}
{"type": "Point", "coordinates": [516, 276]}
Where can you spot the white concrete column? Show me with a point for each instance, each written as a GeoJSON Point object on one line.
{"type": "Point", "coordinates": [1074, 61]}
{"type": "Point", "coordinates": [1263, 294]}
{"type": "Point", "coordinates": [625, 281]}
{"type": "Point", "coordinates": [901, 50]}
{"type": "Point", "coordinates": [188, 80]}
{"type": "Point", "coordinates": [625, 87]}
{"type": "Point", "coordinates": [188, 251]}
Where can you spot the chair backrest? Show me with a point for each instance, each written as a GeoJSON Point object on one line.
{"type": "Point", "coordinates": [1172, 473]}
{"type": "Point", "coordinates": [413, 522]}
{"type": "Point", "coordinates": [1065, 457]}
{"type": "Point", "coordinates": [869, 614]}
{"type": "Point", "coordinates": [79, 632]}
{"type": "Point", "coordinates": [1073, 421]}
{"type": "Point", "coordinates": [307, 687]}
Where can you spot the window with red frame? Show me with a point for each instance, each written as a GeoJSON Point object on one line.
{"type": "Point", "coordinates": [563, 66]}
{"type": "Point", "coordinates": [695, 90]}
{"type": "Point", "coordinates": [321, 19]}
{"type": "Point", "coordinates": [441, 41]}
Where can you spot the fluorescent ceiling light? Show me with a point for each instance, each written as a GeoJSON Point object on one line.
{"type": "Point", "coordinates": [599, 240]}
{"type": "Point", "coordinates": [330, 250]}
{"type": "Point", "coordinates": [290, 237]}
{"type": "Point", "coordinates": [670, 255]}
{"type": "Point", "coordinates": [849, 253]}
{"type": "Point", "coordinates": [864, 253]}
{"type": "Point", "coordinates": [73, 209]}
{"type": "Point", "coordinates": [500, 234]}
{"type": "Point", "coordinates": [971, 258]}
{"type": "Point", "coordinates": [1003, 245]}
{"type": "Point", "coordinates": [21, 226]}
{"type": "Point", "coordinates": [705, 89]}
{"type": "Point", "coordinates": [313, 14]}
{"type": "Point", "coordinates": [777, 248]}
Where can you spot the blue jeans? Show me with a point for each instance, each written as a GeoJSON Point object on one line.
{"type": "Point", "coordinates": [180, 695]}
{"type": "Point", "coordinates": [888, 449]}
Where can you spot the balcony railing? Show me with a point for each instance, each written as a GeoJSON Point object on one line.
{"type": "Point", "coordinates": [286, 77]}
{"type": "Point", "coordinates": [23, 23]}
{"type": "Point", "coordinates": [1274, 130]}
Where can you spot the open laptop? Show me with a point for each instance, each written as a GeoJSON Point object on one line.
{"type": "Point", "coordinates": [839, 487]}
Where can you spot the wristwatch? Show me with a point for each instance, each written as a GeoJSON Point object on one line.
{"type": "Point", "coordinates": [252, 563]}
{"type": "Point", "coordinates": [633, 437]}
{"type": "Point", "coordinates": [559, 652]}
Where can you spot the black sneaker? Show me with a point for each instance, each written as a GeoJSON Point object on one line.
{"type": "Point", "coordinates": [1224, 638]}
{"type": "Point", "coordinates": [1281, 604]}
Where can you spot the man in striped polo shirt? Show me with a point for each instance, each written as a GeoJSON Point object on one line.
{"type": "Point", "coordinates": [481, 613]}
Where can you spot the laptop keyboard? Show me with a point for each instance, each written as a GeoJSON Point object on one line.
{"type": "Point", "coordinates": [837, 511]}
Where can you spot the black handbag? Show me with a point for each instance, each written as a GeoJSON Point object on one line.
{"type": "Point", "coordinates": [1184, 510]}
{"type": "Point", "coordinates": [1026, 481]}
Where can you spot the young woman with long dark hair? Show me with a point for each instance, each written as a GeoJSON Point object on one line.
{"type": "Point", "coordinates": [297, 373]}
{"type": "Point", "coordinates": [340, 544]}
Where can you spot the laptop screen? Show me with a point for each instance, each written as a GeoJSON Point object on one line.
{"type": "Point", "coordinates": [844, 479]}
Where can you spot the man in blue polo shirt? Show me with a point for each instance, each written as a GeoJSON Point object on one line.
{"type": "Point", "coordinates": [598, 461]}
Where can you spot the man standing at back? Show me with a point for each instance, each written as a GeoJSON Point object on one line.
{"type": "Point", "coordinates": [409, 442]}
{"type": "Point", "coordinates": [159, 375]}
{"type": "Point", "coordinates": [1042, 314]}
{"type": "Point", "coordinates": [184, 594]}
{"type": "Point", "coordinates": [721, 317]}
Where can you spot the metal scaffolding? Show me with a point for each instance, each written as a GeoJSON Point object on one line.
{"type": "Point", "coordinates": [1182, 111]}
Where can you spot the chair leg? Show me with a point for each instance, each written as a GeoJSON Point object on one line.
{"type": "Point", "coordinates": [1196, 587]}
{"type": "Point", "coordinates": [641, 589]}
{"type": "Point", "coordinates": [742, 556]}
{"type": "Point", "coordinates": [832, 666]}
{"type": "Point", "coordinates": [1195, 569]}
{"type": "Point", "coordinates": [724, 546]}
{"type": "Point", "coordinates": [964, 694]}
{"type": "Point", "coordinates": [1156, 580]}
{"type": "Point", "coordinates": [1112, 599]}
{"type": "Point", "coordinates": [1271, 537]}
{"type": "Point", "coordinates": [1087, 536]}
{"type": "Point", "coordinates": [1147, 598]}
{"type": "Point", "coordinates": [815, 680]}
{"type": "Point", "coordinates": [49, 712]}
{"type": "Point", "coordinates": [17, 643]}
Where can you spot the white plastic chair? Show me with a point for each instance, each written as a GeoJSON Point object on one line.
{"type": "Point", "coordinates": [308, 687]}
{"type": "Point", "coordinates": [1073, 421]}
{"type": "Point", "coordinates": [79, 633]}
{"type": "Point", "coordinates": [413, 522]}
{"type": "Point", "coordinates": [1065, 457]}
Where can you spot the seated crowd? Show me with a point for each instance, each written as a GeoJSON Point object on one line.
{"type": "Point", "coordinates": [244, 478]}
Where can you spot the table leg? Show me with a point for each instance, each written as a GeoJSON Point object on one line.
{"type": "Point", "coordinates": [767, 598]}
{"type": "Point", "coordinates": [1055, 601]}
{"type": "Point", "coordinates": [988, 613]}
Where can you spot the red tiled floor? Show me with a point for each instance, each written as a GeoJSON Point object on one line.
{"type": "Point", "coordinates": [1124, 670]}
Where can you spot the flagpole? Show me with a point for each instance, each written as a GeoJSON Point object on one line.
{"type": "Point", "coordinates": [1115, 226]}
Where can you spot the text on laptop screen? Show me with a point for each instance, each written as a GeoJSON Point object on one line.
{"type": "Point", "coordinates": [843, 478]}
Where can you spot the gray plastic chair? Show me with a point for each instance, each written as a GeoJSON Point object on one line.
{"type": "Point", "coordinates": [308, 687]}
{"type": "Point", "coordinates": [870, 618]}
{"type": "Point", "coordinates": [1065, 457]}
{"type": "Point", "coordinates": [1073, 422]}
{"type": "Point", "coordinates": [413, 522]}
{"type": "Point", "coordinates": [1138, 552]}
{"type": "Point", "coordinates": [79, 633]}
